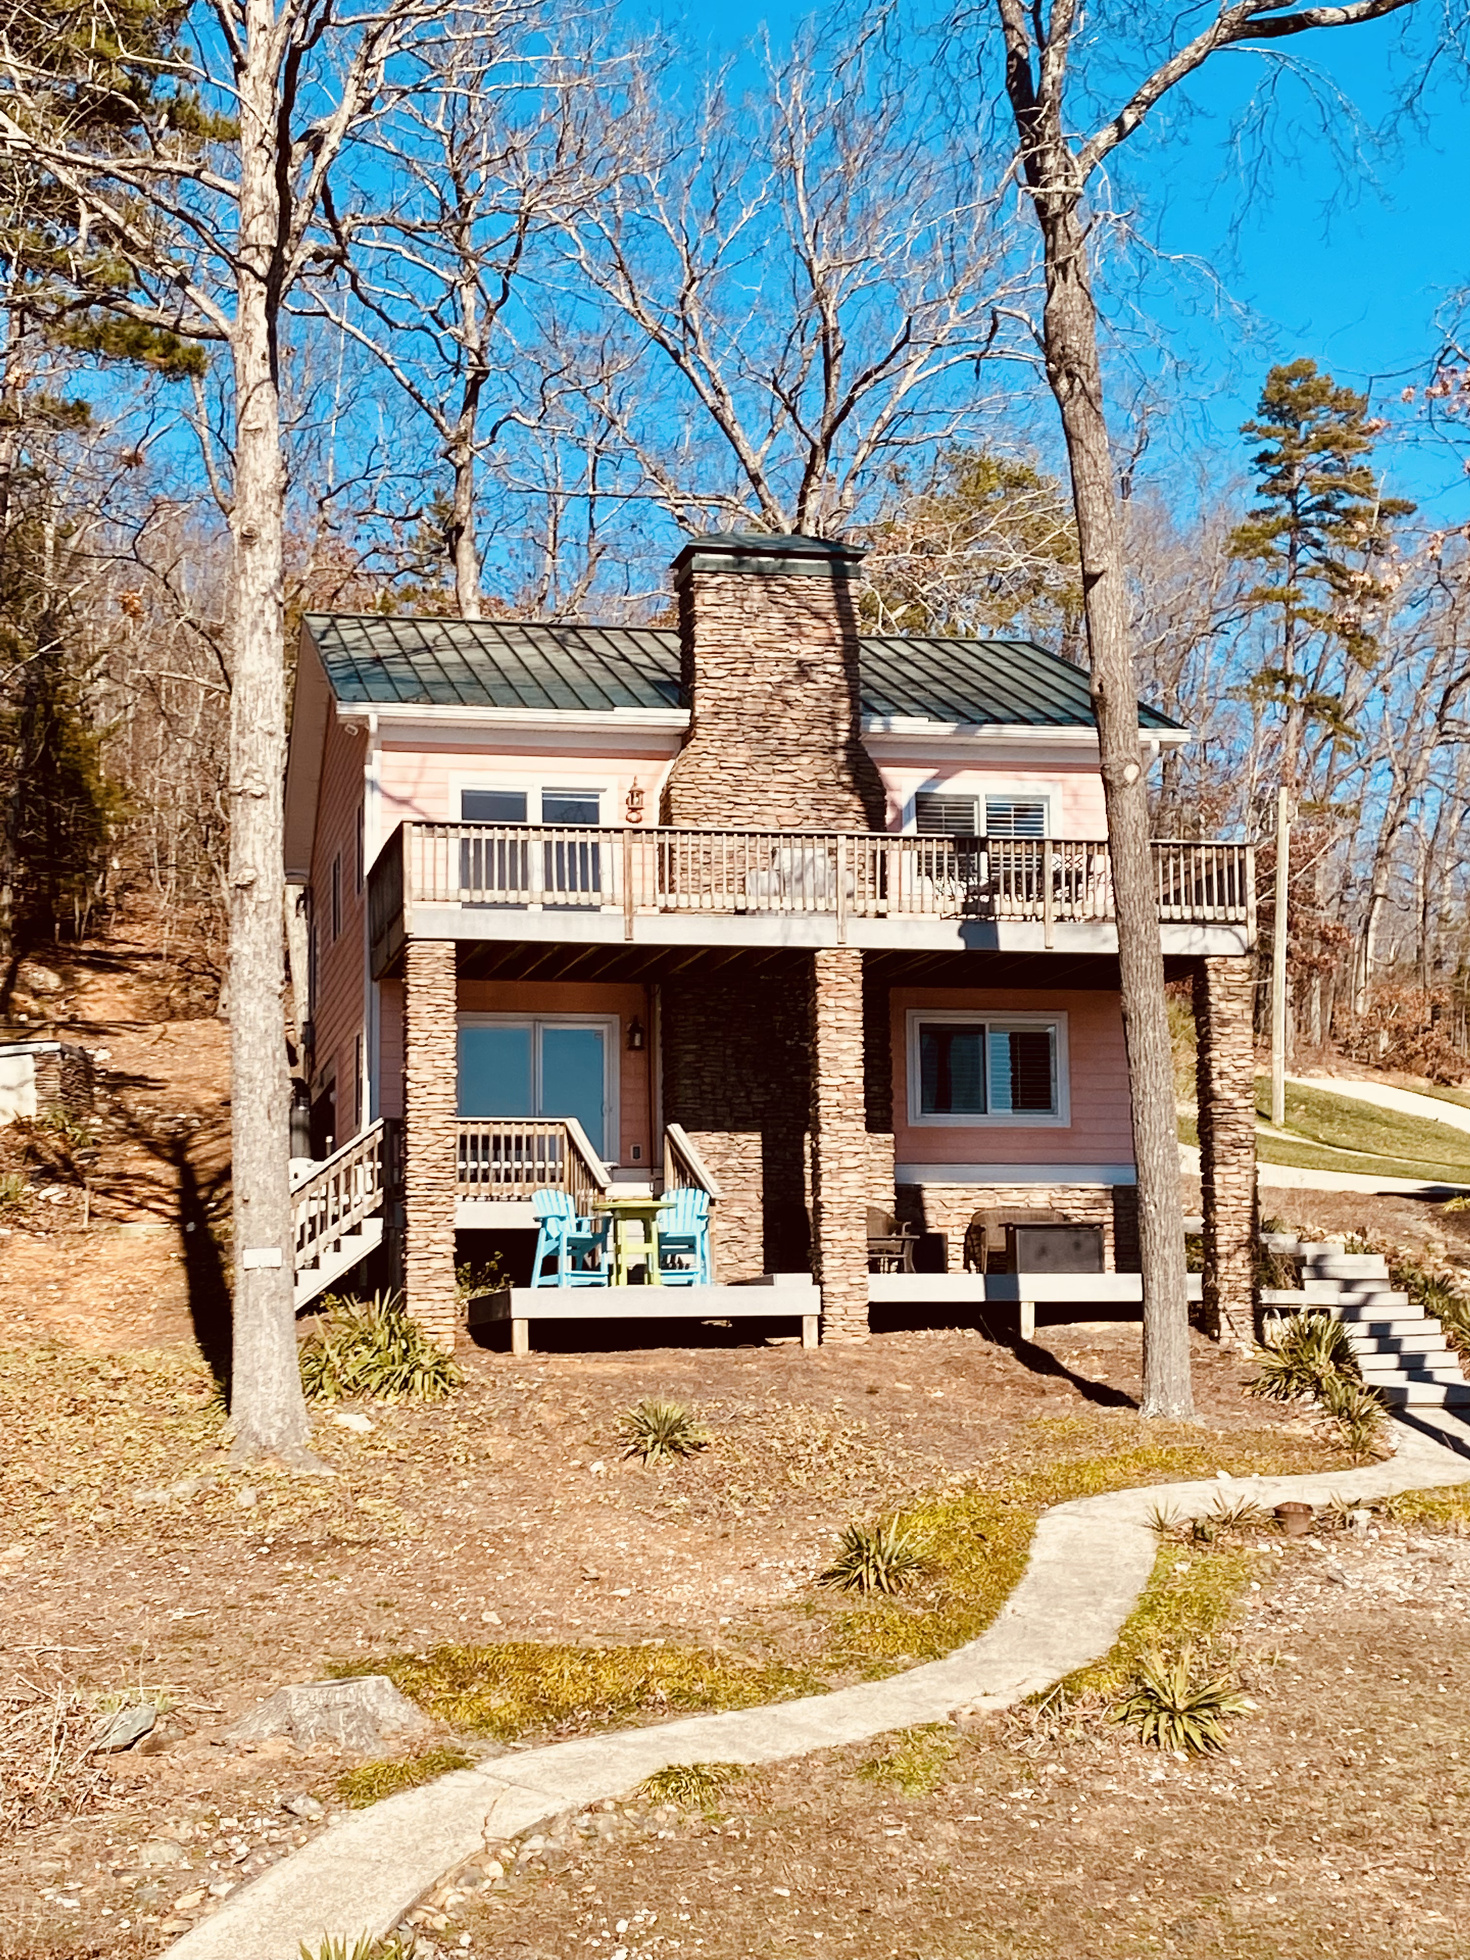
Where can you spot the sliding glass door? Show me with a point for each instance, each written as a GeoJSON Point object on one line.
{"type": "Point", "coordinates": [540, 1067]}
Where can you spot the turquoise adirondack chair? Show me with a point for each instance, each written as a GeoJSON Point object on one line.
{"type": "Point", "coordinates": [683, 1240]}
{"type": "Point", "coordinates": [576, 1246]}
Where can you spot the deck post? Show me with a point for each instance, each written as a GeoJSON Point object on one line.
{"type": "Point", "coordinates": [840, 1149]}
{"type": "Point", "coordinates": [430, 1114]}
{"type": "Point", "coordinates": [1224, 1003]}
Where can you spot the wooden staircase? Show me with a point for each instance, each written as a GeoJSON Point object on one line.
{"type": "Point", "coordinates": [339, 1208]}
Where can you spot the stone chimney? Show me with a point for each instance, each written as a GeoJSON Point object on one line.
{"type": "Point", "coordinates": [769, 653]}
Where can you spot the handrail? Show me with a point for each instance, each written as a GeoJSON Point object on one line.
{"type": "Point", "coordinates": [843, 875]}
{"type": "Point", "coordinates": [337, 1194]}
{"type": "Point", "coordinates": [513, 1157]}
{"type": "Point", "coordinates": [683, 1165]}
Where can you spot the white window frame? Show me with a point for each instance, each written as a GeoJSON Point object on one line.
{"type": "Point", "coordinates": [612, 1031]}
{"type": "Point", "coordinates": [533, 788]}
{"type": "Point", "coordinates": [1029, 1119]}
{"type": "Point", "coordinates": [1000, 792]}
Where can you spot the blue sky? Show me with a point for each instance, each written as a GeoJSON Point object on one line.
{"type": "Point", "coordinates": [1350, 266]}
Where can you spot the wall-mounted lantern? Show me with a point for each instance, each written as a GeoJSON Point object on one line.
{"type": "Point", "coordinates": [633, 807]}
{"type": "Point", "coordinates": [635, 1036]}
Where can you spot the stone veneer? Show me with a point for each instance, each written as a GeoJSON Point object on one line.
{"type": "Point", "coordinates": [769, 657]}
{"type": "Point", "coordinates": [1224, 1012]}
{"type": "Point", "coordinates": [430, 1136]}
{"type": "Point", "coordinates": [949, 1208]}
{"type": "Point", "coordinates": [841, 1156]}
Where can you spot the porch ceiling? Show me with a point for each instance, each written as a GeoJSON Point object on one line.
{"type": "Point", "coordinates": [533, 960]}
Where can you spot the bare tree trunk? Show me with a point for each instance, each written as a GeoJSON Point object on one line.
{"type": "Point", "coordinates": [1075, 373]}
{"type": "Point", "coordinates": [462, 545]}
{"type": "Point", "coordinates": [268, 1410]}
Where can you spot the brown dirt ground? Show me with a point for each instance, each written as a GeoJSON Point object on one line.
{"type": "Point", "coordinates": [132, 1557]}
{"type": "Point", "coordinates": [1336, 1824]}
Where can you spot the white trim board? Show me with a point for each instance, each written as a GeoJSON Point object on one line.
{"type": "Point", "coordinates": [982, 1174]}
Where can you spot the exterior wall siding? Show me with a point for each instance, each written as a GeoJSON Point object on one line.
{"type": "Point", "coordinates": [1074, 790]}
{"type": "Point", "coordinates": [339, 1007]}
{"type": "Point", "coordinates": [422, 782]}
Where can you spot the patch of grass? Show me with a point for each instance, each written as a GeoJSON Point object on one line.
{"type": "Point", "coordinates": [519, 1686]}
{"type": "Point", "coordinates": [14, 1190]}
{"type": "Point", "coordinates": [661, 1432]}
{"type": "Point", "coordinates": [1445, 1510]}
{"type": "Point", "coordinates": [1191, 1597]}
{"type": "Point", "coordinates": [692, 1786]}
{"type": "Point", "coordinates": [979, 1539]}
{"type": "Point", "coordinates": [914, 1760]}
{"type": "Point", "coordinates": [1416, 1146]}
{"type": "Point", "coordinates": [881, 1557]}
{"type": "Point", "coordinates": [369, 1783]}
{"type": "Point", "coordinates": [372, 1347]}
{"type": "Point", "coordinates": [1176, 1704]}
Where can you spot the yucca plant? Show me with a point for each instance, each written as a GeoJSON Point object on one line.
{"type": "Point", "coordinates": [1175, 1706]}
{"type": "Point", "coordinates": [1359, 1413]}
{"type": "Point", "coordinates": [661, 1432]}
{"type": "Point", "coordinates": [13, 1191]}
{"type": "Point", "coordinates": [372, 1347]}
{"type": "Point", "coordinates": [1307, 1350]}
{"type": "Point", "coordinates": [395, 1947]}
{"type": "Point", "coordinates": [885, 1556]}
{"type": "Point", "coordinates": [690, 1785]}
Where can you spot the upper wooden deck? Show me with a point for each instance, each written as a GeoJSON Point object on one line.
{"type": "Point", "coordinates": [881, 890]}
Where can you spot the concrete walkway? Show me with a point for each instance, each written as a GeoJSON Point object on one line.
{"type": "Point", "coordinates": [1089, 1562]}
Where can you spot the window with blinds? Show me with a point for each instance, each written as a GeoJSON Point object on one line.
{"type": "Point", "coordinates": [967, 1070]}
{"type": "Point", "coordinates": [937, 814]}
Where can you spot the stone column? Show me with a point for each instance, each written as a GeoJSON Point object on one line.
{"type": "Point", "coordinates": [430, 1110]}
{"type": "Point", "coordinates": [841, 1156]}
{"type": "Point", "coordinates": [1224, 1002]}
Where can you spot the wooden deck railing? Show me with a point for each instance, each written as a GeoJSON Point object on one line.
{"type": "Point", "coordinates": [337, 1194]}
{"type": "Point", "coordinates": [842, 875]}
{"type": "Point", "coordinates": [512, 1157]}
{"type": "Point", "coordinates": [684, 1168]}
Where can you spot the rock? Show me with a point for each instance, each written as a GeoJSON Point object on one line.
{"type": "Point", "coordinates": [350, 1419]}
{"type": "Point", "coordinates": [186, 1901]}
{"type": "Point", "coordinates": [1359, 1520]}
{"type": "Point", "coordinates": [303, 1806]}
{"type": "Point", "coordinates": [158, 1854]}
{"type": "Point", "coordinates": [354, 1714]}
{"type": "Point", "coordinates": [247, 1499]}
{"type": "Point", "coordinates": [122, 1727]}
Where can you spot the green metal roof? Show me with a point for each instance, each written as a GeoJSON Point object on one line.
{"type": "Point", "coordinates": [372, 661]}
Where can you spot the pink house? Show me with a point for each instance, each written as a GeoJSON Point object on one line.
{"type": "Point", "coordinates": [811, 921]}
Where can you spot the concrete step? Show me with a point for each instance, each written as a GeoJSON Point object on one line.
{"type": "Point", "coordinates": [1352, 1292]}
{"type": "Point", "coordinates": [1390, 1328]}
{"type": "Point", "coordinates": [1425, 1395]}
{"type": "Point", "coordinates": [1436, 1361]}
{"type": "Point", "coordinates": [1345, 1265]}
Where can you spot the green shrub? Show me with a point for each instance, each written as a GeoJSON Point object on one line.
{"type": "Point", "coordinates": [1174, 1705]}
{"type": "Point", "coordinates": [693, 1786]}
{"type": "Point", "coordinates": [373, 1348]}
{"type": "Point", "coordinates": [1359, 1413]}
{"type": "Point", "coordinates": [661, 1432]}
{"type": "Point", "coordinates": [883, 1557]}
{"type": "Point", "coordinates": [369, 1783]}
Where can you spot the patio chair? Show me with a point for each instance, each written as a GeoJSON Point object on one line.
{"type": "Point", "coordinates": [890, 1244]}
{"type": "Point", "coordinates": [683, 1239]}
{"type": "Point", "coordinates": [985, 1236]}
{"type": "Point", "coordinates": [578, 1246]}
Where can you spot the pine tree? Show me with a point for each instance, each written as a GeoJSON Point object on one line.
{"type": "Point", "coordinates": [1320, 532]}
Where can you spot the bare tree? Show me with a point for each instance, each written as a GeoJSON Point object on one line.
{"type": "Point", "coordinates": [1049, 59]}
{"type": "Point", "coordinates": [808, 278]}
{"type": "Point", "coordinates": [434, 235]}
{"type": "Point", "coordinates": [208, 204]}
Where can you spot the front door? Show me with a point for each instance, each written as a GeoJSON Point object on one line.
{"type": "Point", "coordinates": [535, 1067]}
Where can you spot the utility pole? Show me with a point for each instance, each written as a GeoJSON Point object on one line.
{"type": "Point", "coordinates": [1278, 960]}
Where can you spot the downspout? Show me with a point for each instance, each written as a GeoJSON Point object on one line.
{"type": "Point", "coordinates": [372, 1007]}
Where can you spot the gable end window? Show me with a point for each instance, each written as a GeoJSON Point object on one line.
{"type": "Point", "coordinates": [966, 1068]}
{"type": "Point", "coordinates": [938, 814]}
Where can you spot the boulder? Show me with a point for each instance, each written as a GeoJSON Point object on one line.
{"type": "Point", "coordinates": [122, 1727]}
{"type": "Point", "coordinates": [354, 1714]}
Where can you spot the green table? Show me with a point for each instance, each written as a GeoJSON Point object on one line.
{"type": "Point", "coordinates": [626, 1250]}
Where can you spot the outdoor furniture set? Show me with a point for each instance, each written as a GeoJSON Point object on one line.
{"type": "Point", "coordinates": [666, 1240]}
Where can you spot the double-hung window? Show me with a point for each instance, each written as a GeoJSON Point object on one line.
{"type": "Point", "coordinates": [981, 1068]}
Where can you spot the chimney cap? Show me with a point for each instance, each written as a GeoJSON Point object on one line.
{"type": "Point", "coordinates": [767, 554]}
